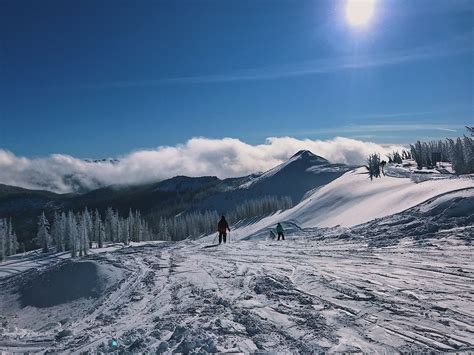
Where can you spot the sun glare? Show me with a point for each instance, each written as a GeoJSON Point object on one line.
{"type": "Point", "coordinates": [359, 12]}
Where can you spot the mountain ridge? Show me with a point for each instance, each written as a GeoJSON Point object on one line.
{"type": "Point", "coordinates": [175, 195]}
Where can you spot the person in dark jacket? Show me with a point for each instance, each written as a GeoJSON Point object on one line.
{"type": "Point", "coordinates": [382, 165]}
{"type": "Point", "coordinates": [223, 227]}
{"type": "Point", "coordinates": [279, 229]}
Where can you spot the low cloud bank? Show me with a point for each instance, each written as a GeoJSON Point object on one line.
{"type": "Point", "coordinates": [227, 157]}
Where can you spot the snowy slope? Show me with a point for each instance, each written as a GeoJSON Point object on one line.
{"type": "Point", "coordinates": [318, 291]}
{"type": "Point", "coordinates": [353, 199]}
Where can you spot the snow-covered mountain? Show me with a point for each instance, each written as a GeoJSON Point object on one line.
{"type": "Point", "coordinates": [301, 173]}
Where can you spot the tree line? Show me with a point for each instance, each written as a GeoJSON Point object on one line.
{"type": "Point", "coordinates": [198, 223]}
{"type": "Point", "coordinates": [78, 232]}
{"type": "Point", "coordinates": [459, 152]}
{"type": "Point", "coordinates": [8, 241]}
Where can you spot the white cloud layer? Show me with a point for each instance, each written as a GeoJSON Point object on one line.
{"type": "Point", "coordinates": [227, 157]}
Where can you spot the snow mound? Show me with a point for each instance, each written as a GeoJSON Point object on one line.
{"type": "Point", "coordinates": [456, 204]}
{"type": "Point", "coordinates": [450, 213]}
{"type": "Point", "coordinates": [66, 282]}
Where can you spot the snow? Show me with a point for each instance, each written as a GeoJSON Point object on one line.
{"type": "Point", "coordinates": [402, 281]}
{"type": "Point", "coordinates": [35, 259]}
{"type": "Point", "coordinates": [308, 293]}
{"type": "Point", "coordinates": [353, 199]}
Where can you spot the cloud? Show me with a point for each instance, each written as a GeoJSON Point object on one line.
{"type": "Point", "coordinates": [445, 129]}
{"type": "Point", "coordinates": [227, 157]}
{"type": "Point", "coordinates": [353, 130]}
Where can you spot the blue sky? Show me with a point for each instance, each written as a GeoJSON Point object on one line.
{"type": "Point", "coordinates": [96, 78]}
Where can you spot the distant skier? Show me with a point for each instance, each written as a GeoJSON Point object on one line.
{"type": "Point", "coordinates": [223, 227]}
{"type": "Point", "coordinates": [279, 229]}
{"type": "Point", "coordinates": [382, 165]}
{"type": "Point", "coordinates": [272, 235]}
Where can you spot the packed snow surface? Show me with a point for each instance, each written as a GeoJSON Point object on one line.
{"type": "Point", "coordinates": [402, 283]}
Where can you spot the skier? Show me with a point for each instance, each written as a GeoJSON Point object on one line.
{"type": "Point", "coordinates": [382, 165]}
{"type": "Point", "coordinates": [279, 229]}
{"type": "Point", "coordinates": [272, 235]}
{"type": "Point", "coordinates": [223, 227]}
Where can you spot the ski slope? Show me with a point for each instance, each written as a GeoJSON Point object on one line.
{"type": "Point", "coordinates": [354, 199]}
{"type": "Point", "coordinates": [401, 282]}
{"type": "Point", "coordinates": [317, 291]}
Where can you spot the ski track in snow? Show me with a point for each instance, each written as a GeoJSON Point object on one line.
{"type": "Point", "coordinates": [399, 283]}
{"type": "Point", "coordinates": [303, 294]}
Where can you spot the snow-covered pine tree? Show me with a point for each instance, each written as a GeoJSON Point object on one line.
{"type": "Point", "coordinates": [14, 245]}
{"type": "Point", "coordinates": [81, 230]}
{"type": "Point", "coordinates": [110, 225]}
{"type": "Point", "coordinates": [63, 231]}
{"type": "Point", "coordinates": [43, 238]}
{"type": "Point", "coordinates": [72, 233]}
{"type": "Point", "coordinates": [125, 230]}
{"type": "Point", "coordinates": [3, 233]}
{"type": "Point", "coordinates": [373, 165]}
{"type": "Point", "coordinates": [417, 153]}
{"type": "Point", "coordinates": [11, 244]}
{"type": "Point", "coordinates": [89, 227]}
{"type": "Point", "coordinates": [456, 155]}
{"type": "Point", "coordinates": [98, 230]}
{"type": "Point", "coordinates": [83, 234]}
{"type": "Point", "coordinates": [57, 232]}
{"type": "Point", "coordinates": [470, 130]}
{"type": "Point", "coordinates": [468, 149]}
{"type": "Point", "coordinates": [397, 158]}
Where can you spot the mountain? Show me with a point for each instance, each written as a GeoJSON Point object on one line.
{"type": "Point", "coordinates": [303, 172]}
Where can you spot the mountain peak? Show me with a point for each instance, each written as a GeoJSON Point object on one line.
{"type": "Point", "coordinates": [304, 154]}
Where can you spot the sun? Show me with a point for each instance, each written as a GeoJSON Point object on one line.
{"type": "Point", "coordinates": [359, 12]}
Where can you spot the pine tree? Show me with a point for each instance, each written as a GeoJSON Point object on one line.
{"type": "Point", "coordinates": [101, 235]}
{"type": "Point", "coordinates": [3, 233]}
{"type": "Point", "coordinates": [43, 237]}
{"type": "Point", "coordinates": [11, 242]}
{"type": "Point", "coordinates": [110, 224]}
{"type": "Point", "coordinates": [98, 230]}
{"type": "Point", "coordinates": [373, 165]}
{"type": "Point", "coordinates": [72, 234]}
{"type": "Point", "coordinates": [14, 245]}
{"type": "Point", "coordinates": [417, 153]}
{"type": "Point", "coordinates": [89, 227]}
{"type": "Point", "coordinates": [468, 149]}
{"type": "Point", "coordinates": [57, 232]}
{"type": "Point", "coordinates": [83, 234]}
{"type": "Point", "coordinates": [470, 130]}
